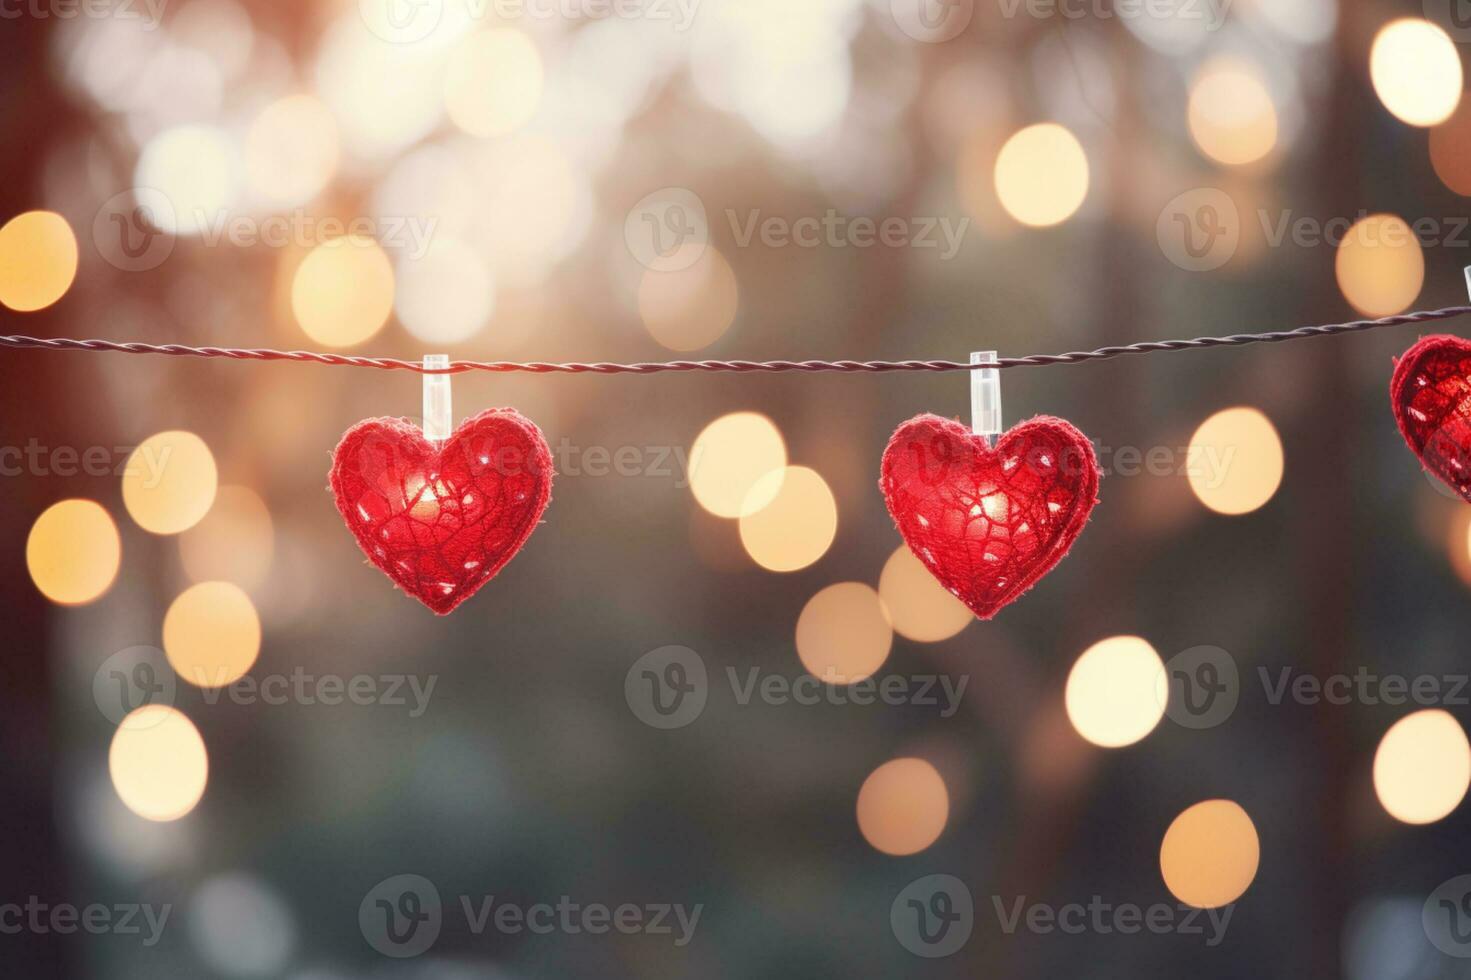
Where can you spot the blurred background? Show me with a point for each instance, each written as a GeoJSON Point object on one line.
{"type": "Point", "coordinates": [232, 749]}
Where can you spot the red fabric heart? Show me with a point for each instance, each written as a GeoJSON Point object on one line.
{"type": "Point", "coordinates": [1431, 395]}
{"type": "Point", "coordinates": [441, 522]}
{"type": "Point", "coordinates": [988, 523]}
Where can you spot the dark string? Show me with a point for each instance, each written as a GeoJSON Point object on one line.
{"type": "Point", "coordinates": [744, 367]}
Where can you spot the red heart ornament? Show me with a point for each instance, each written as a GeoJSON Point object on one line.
{"type": "Point", "coordinates": [442, 521]}
{"type": "Point", "coordinates": [988, 523]}
{"type": "Point", "coordinates": [1431, 395]}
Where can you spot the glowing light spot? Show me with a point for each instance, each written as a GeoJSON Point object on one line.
{"type": "Point", "coordinates": [211, 634]}
{"type": "Point", "coordinates": [234, 541]}
{"type": "Point", "coordinates": [1111, 693]}
{"type": "Point", "coordinates": [1422, 767]}
{"type": "Point", "coordinates": [169, 482]}
{"type": "Point", "coordinates": [919, 606]}
{"type": "Point", "coordinates": [195, 168]}
{"type": "Point", "coordinates": [73, 552]}
{"type": "Point", "coordinates": [1042, 175]}
{"type": "Point", "coordinates": [1235, 461]}
{"type": "Point", "coordinates": [1210, 854]}
{"type": "Point", "coordinates": [727, 459]}
{"type": "Point", "coordinates": [291, 151]}
{"type": "Point", "coordinates": [494, 82]}
{"type": "Point", "coordinates": [693, 305]}
{"type": "Point", "coordinates": [38, 260]}
{"type": "Point", "coordinates": [1380, 265]}
{"type": "Point", "coordinates": [903, 807]}
{"type": "Point", "coordinates": [1416, 71]}
{"type": "Point", "coordinates": [158, 763]}
{"type": "Point", "coordinates": [1232, 117]}
{"type": "Point", "coordinates": [343, 291]}
{"type": "Point", "coordinates": [798, 525]}
{"type": "Point", "coordinates": [843, 634]}
{"type": "Point", "coordinates": [446, 295]}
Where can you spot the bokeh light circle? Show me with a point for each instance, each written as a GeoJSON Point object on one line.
{"type": "Point", "coordinates": [1422, 767]}
{"type": "Point", "coordinates": [73, 552]}
{"type": "Point", "coordinates": [919, 606]}
{"type": "Point", "coordinates": [1231, 114]}
{"type": "Point", "coordinates": [38, 260]}
{"type": "Point", "coordinates": [169, 482]}
{"type": "Point", "coordinates": [903, 807]}
{"type": "Point", "coordinates": [1235, 461]}
{"type": "Point", "coordinates": [211, 634]}
{"type": "Point", "coordinates": [798, 525]}
{"type": "Point", "coordinates": [1416, 71]}
{"type": "Point", "coordinates": [729, 456]}
{"type": "Point", "coordinates": [158, 763]}
{"type": "Point", "coordinates": [1042, 175]}
{"type": "Point", "coordinates": [342, 293]}
{"type": "Point", "coordinates": [1210, 854]}
{"type": "Point", "coordinates": [1380, 265]}
{"type": "Point", "coordinates": [1111, 695]}
{"type": "Point", "coordinates": [843, 633]}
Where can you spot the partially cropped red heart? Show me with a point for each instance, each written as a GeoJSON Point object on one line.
{"type": "Point", "coordinates": [1431, 395]}
{"type": "Point", "coordinates": [989, 522]}
{"type": "Point", "coordinates": [441, 521]}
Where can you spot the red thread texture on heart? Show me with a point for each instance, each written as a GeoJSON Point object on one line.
{"type": "Point", "coordinates": [989, 522]}
{"type": "Point", "coordinates": [442, 521]}
{"type": "Point", "coordinates": [1430, 392]}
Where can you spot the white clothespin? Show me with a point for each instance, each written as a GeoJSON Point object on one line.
{"type": "Point", "coordinates": [1468, 279]}
{"type": "Point", "coordinates": [985, 397]}
{"type": "Point", "coordinates": [438, 418]}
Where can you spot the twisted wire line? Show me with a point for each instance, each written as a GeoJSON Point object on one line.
{"type": "Point", "coordinates": [21, 342]}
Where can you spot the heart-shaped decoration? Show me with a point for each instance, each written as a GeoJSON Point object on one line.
{"type": "Point", "coordinates": [988, 523]}
{"type": "Point", "coordinates": [441, 521]}
{"type": "Point", "coordinates": [1431, 395]}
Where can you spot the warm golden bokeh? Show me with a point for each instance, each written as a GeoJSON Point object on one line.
{"type": "Point", "coordinates": [903, 807]}
{"type": "Point", "coordinates": [196, 169]}
{"type": "Point", "coordinates": [1380, 265]}
{"type": "Point", "coordinates": [211, 634]}
{"type": "Point", "coordinates": [1450, 150]}
{"type": "Point", "coordinates": [729, 456]}
{"type": "Point", "coordinates": [38, 260]}
{"type": "Point", "coordinates": [918, 605]}
{"type": "Point", "coordinates": [493, 83]}
{"type": "Point", "coordinates": [798, 525]}
{"type": "Point", "coordinates": [1210, 854]}
{"type": "Point", "coordinates": [235, 540]}
{"type": "Point", "coordinates": [1231, 115]}
{"type": "Point", "coordinates": [692, 306]}
{"type": "Point", "coordinates": [1422, 767]}
{"type": "Point", "coordinates": [342, 293]}
{"type": "Point", "coordinates": [291, 150]}
{"type": "Point", "coordinates": [446, 295]}
{"type": "Point", "coordinates": [843, 633]}
{"type": "Point", "coordinates": [1416, 71]}
{"type": "Point", "coordinates": [73, 552]}
{"type": "Point", "coordinates": [1042, 175]}
{"type": "Point", "coordinates": [158, 763]}
{"type": "Point", "coordinates": [1112, 692]}
{"type": "Point", "coordinates": [169, 482]}
{"type": "Point", "coordinates": [1235, 461]}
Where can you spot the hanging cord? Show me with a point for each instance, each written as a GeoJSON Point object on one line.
{"type": "Point", "coordinates": [741, 367]}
